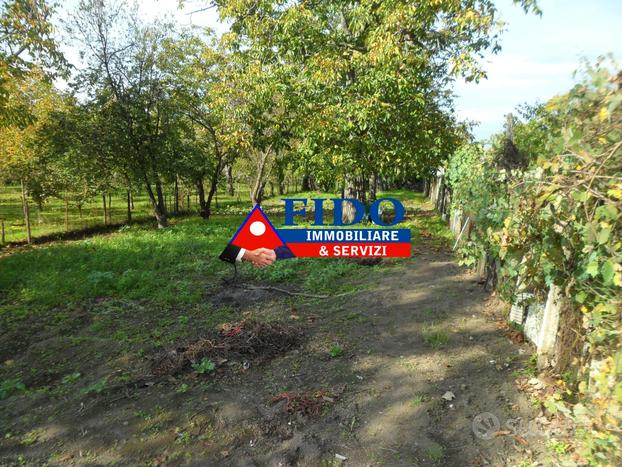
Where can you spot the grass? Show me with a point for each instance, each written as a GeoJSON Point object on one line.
{"type": "Point", "coordinates": [418, 400]}
{"type": "Point", "coordinates": [50, 217]}
{"type": "Point", "coordinates": [531, 368]}
{"type": "Point", "coordinates": [335, 351]}
{"type": "Point", "coordinates": [113, 297]}
{"type": "Point", "coordinates": [435, 338]}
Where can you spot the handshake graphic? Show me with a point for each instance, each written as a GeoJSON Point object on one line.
{"type": "Point", "coordinates": [256, 242]}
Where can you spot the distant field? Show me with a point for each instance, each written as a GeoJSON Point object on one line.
{"type": "Point", "coordinates": [51, 218]}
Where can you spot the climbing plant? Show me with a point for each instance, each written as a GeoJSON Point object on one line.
{"type": "Point", "coordinates": [560, 222]}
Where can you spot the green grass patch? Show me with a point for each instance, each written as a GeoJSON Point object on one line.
{"type": "Point", "coordinates": [418, 400]}
{"type": "Point", "coordinates": [435, 338]}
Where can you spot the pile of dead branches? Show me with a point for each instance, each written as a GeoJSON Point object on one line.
{"type": "Point", "coordinates": [240, 341]}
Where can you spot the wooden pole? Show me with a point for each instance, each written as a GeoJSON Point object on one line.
{"type": "Point", "coordinates": [66, 214]}
{"type": "Point", "coordinates": [129, 206]}
{"type": "Point", "coordinates": [26, 213]}
{"type": "Point", "coordinates": [176, 209]}
{"type": "Point", "coordinates": [109, 208]}
{"type": "Point", "coordinates": [105, 213]}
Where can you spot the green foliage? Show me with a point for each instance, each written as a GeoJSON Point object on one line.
{"type": "Point", "coordinates": [418, 400]}
{"type": "Point", "coordinates": [560, 222]}
{"type": "Point", "coordinates": [26, 41]}
{"type": "Point", "coordinates": [477, 192]}
{"type": "Point", "coordinates": [363, 79]}
{"type": "Point", "coordinates": [97, 387]}
{"type": "Point", "coordinates": [559, 447]}
{"type": "Point", "coordinates": [10, 387]}
{"type": "Point", "coordinates": [336, 351]}
{"type": "Point", "coordinates": [204, 366]}
{"type": "Point", "coordinates": [71, 378]}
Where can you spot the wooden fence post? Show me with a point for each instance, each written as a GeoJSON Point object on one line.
{"type": "Point", "coordinates": [129, 207]}
{"type": "Point", "coordinates": [66, 214]}
{"type": "Point", "coordinates": [26, 213]}
{"type": "Point", "coordinates": [105, 213]}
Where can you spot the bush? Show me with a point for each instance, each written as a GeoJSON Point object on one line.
{"type": "Point", "coordinates": [560, 222]}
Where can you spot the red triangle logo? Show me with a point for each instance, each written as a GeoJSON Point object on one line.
{"type": "Point", "coordinates": [256, 232]}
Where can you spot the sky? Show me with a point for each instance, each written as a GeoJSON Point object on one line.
{"type": "Point", "coordinates": [536, 62]}
{"type": "Point", "coordinates": [538, 57]}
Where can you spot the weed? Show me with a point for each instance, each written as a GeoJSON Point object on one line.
{"type": "Point", "coordinates": [71, 378]}
{"type": "Point", "coordinates": [182, 437]}
{"type": "Point", "coordinates": [204, 366]}
{"type": "Point", "coordinates": [435, 453]}
{"type": "Point", "coordinates": [10, 387]}
{"type": "Point", "coordinates": [97, 387]}
{"type": "Point", "coordinates": [30, 438]}
{"type": "Point", "coordinates": [183, 388]}
{"type": "Point", "coordinates": [435, 338]}
{"type": "Point", "coordinates": [419, 399]}
{"type": "Point", "coordinates": [530, 370]}
{"type": "Point", "coordinates": [559, 447]}
{"type": "Point", "coordinates": [336, 351]}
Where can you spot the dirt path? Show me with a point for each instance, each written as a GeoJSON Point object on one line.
{"type": "Point", "coordinates": [420, 330]}
{"type": "Point", "coordinates": [418, 334]}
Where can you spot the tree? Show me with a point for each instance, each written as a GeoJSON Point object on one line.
{"type": "Point", "coordinates": [20, 153]}
{"type": "Point", "coordinates": [196, 73]}
{"type": "Point", "coordinates": [372, 77]}
{"type": "Point", "coordinates": [123, 78]}
{"type": "Point", "coordinates": [26, 41]}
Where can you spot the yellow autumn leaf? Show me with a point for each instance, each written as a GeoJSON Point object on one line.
{"type": "Point", "coordinates": [615, 193]}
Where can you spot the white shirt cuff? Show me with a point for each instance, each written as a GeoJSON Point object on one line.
{"type": "Point", "coordinates": [238, 258]}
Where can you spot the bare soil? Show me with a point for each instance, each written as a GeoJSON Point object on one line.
{"type": "Point", "coordinates": [397, 374]}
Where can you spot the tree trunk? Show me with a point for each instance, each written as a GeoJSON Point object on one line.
{"type": "Point", "coordinates": [348, 213]}
{"type": "Point", "coordinates": [373, 188]}
{"type": "Point", "coordinates": [203, 207]}
{"type": "Point", "coordinates": [2, 238]}
{"type": "Point", "coordinates": [279, 172]}
{"type": "Point", "coordinates": [213, 185]}
{"type": "Point", "coordinates": [188, 201]}
{"type": "Point", "coordinates": [132, 199]}
{"type": "Point", "coordinates": [306, 183]}
{"type": "Point", "coordinates": [157, 203]}
{"type": "Point", "coordinates": [260, 183]}
{"type": "Point", "coordinates": [230, 189]}
{"type": "Point", "coordinates": [129, 206]}
{"type": "Point", "coordinates": [161, 198]}
{"type": "Point", "coordinates": [26, 210]}
{"type": "Point", "coordinates": [105, 210]}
